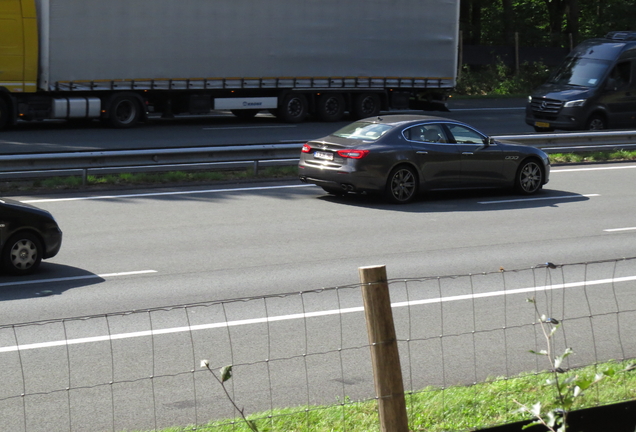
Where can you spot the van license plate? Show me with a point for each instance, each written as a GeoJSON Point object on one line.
{"type": "Point", "coordinates": [542, 124]}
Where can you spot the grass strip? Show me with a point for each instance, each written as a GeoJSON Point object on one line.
{"type": "Point", "coordinates": [146, 179]}
{"type": "Point", "coordinates": [456, 408]}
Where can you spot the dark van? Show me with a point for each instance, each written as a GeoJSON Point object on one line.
{"type": "Point", "coordinates": [593, 89]}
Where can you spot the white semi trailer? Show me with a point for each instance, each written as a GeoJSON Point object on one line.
{"type": "Point", "coordinates": [119, 60]}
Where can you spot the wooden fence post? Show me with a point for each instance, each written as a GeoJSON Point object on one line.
{"type": "Point", "coordinates": [385, 358]}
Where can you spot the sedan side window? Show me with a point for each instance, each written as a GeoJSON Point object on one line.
{"type": "Point", "coordinates": [430, 133]}
{"type": "Point", "coordinates": [464, 135]}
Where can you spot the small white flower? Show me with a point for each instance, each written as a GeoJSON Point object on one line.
{"type": "Point", "coordinates": [205, 364]}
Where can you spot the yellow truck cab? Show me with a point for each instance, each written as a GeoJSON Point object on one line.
{"type": "Point", "coordinates": [18, 52]}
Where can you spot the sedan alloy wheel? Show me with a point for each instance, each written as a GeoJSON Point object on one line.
{"type": "Point", "coordinates": [402, 185]}
{"type": "Point", "coordinates": [529, 178]}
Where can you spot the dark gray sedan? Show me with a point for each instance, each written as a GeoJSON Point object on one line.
{"type": "Point", "coordinates": [27, 236]}
{"type": "Point", "coordinates": [401, 155]}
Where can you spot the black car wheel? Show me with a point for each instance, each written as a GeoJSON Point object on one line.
{"type": "Point", "coordinates": [402, 185]}
{"type": "Point", "coordinates": [596, 122]}
{"type": "Point", "coordinates": [529, 178]}
{"type": "Point", "coordinates": [22, 253]}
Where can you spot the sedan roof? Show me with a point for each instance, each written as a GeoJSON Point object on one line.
{"type": "Point", "coordinates": [398, 119]}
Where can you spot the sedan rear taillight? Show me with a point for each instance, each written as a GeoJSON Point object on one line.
{"type": "Point", "coordinates": [306, 148]}
{"type": "Point", "coordinates": [353, 154]}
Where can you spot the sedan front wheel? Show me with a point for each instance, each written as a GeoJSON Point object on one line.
{"type": "Point", "coordinates": [22, 254]}
{"type": "Point", "coordinates": [529, 178]}
{"type": "Point", "coordinates": [402, 185]}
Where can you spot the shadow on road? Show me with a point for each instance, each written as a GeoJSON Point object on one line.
{"type": "Point", "coordinates": [462, 201]}
{"type": "Point", "coordinates": [50, 279]}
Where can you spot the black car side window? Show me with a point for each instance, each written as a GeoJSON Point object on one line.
{"type": "Point", "coordinates": [425, 133]}
{"type": "Point", "coordinates": [464, 135]}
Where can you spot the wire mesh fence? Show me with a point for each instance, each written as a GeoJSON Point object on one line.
{"type": "Point", "coordinates": [304, 356]}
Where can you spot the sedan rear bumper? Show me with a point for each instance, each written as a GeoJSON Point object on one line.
{"type": "Point", "coordinates": [345, 178]}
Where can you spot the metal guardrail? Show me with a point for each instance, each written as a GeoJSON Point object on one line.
{"type": "Point", "coordinates": [575, 142]}
{"type": "Point", "coordinates": [227, 157]}
{"type": "Point", "coordinates": [169, 159]}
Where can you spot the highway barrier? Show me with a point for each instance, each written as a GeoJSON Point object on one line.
{"type": "Point", "coordinates": [84, 163]}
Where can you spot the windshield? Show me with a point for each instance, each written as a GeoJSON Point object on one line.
{"type": "Point", "coordinates": [363, 130]}
{"type": "Point", "coordinates": [578, 71]}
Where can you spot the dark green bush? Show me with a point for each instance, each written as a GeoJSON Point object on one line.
{"type": "Point", "coordinates": [500, 80]}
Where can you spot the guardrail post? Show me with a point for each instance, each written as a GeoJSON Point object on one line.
{"type": "Point", "coordinates": [385, 358]}
{"type": "Point", "coordinates": [84, 176]}
{"type": "Point", "coordinates": [256, 168]}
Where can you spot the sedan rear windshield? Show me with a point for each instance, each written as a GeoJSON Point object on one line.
{"type": "Point", "coordinates": [363, 130]}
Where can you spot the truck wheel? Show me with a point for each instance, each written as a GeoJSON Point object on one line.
{"type": "Point", "coordinates": [331, 107]}
{"type": "Point", "coordinates": [293, 109]}
{"type": "Point", "coordinates": [124, 111]}
{"type": "Point", "coordinates": [4, 114]}
{"type": "Point", "coordinates": [596, 122]}
{"type": "Point", "coordinates": [366, 105]}
{"type": "Point", "coordinates": [22, 254]}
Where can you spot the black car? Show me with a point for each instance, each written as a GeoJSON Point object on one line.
{"type": "Point", "coordinates": [27, 236]}
{"type": "Point", "coordinates": [401, 155]}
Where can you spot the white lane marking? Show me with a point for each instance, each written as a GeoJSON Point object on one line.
{"type": "Point", "coordinates": [553, 170]}
{"type": "Point", "coordinates": [193, 192]}
{"type": "Point", "coordinates": [74, 278]}
{"type": "Point", "coordinates": [306, 315]}
{"type": "Point", "coordinates": [538, 199]}
{"type": "Point", "coordinates": [620, 229]}
{"type": "Point", "coordinates": [151, 194]}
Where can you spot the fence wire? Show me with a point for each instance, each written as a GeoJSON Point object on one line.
{"type": "Point", "coordinates": [308, 352]}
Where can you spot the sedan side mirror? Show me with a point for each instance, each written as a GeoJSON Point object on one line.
{"type": "Point", "coordinates": [490, 141]}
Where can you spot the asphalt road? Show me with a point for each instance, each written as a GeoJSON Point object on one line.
{"type": "Point", "coordinates": [283, 237]}
{"type": "Point", "coordinates": [153, 248]}
{"type": "Point", "coordinates": [492, 116]}
{"type": "Point", "coordinates": [139, 249]}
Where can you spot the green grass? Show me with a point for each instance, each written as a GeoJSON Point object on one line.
{"type": "Point", "coordinates": [600, 156]}
{"type": "Point", "coordinates": [432, 409]}
{"type": "Point", "coordinates": [146, 179]}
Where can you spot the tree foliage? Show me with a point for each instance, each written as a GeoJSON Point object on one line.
{"type": "Point", "coordinates": [541, 23]}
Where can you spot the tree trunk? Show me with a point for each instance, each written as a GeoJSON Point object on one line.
{"type": "Point", "coordinates": [573, 20]}
{"type": "Point", "coordinates": [556, 10]}
{"type": "Point", "coordinates": [508, 22]}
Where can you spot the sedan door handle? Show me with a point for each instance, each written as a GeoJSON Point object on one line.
{"type": "Point", "coordinates": [422, 152]}
{"type": "Point", "coordinates": [468, 153]}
